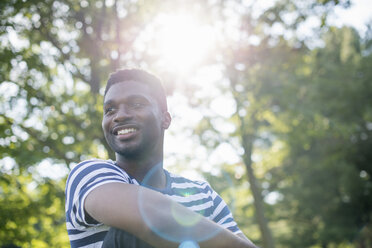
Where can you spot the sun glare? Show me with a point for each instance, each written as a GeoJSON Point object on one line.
{"type": "Point", "coordinates": [179, 42]}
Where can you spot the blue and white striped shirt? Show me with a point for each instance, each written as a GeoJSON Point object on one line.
{"type": "Point", "coordinates": [87, 175]}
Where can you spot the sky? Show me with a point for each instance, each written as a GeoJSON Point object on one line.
{"type": "Point", "coordinates": [357, 15]}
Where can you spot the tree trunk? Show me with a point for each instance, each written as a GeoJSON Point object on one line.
{"type": "Point", "coordinates": [267, 239]}
{"type": "Point", "coordinates": [247, 142]}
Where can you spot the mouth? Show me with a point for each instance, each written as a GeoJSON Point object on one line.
{"type": "Point", "coordinates": [125, 132]}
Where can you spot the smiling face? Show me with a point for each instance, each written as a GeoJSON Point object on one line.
{"type": "Point", "coordinates": [133, 123]}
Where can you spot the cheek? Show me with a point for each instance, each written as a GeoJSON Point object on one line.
{"type": "Point", "coordinates": [105, 125]}
{"type": "Point", "coordinates": [153, 123]}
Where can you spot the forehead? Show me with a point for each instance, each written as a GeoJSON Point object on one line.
{"type": "Point", "coordinates": [126, 89]}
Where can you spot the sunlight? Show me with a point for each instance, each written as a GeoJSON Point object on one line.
{"type": "Point", "coordinates": [179, 41]}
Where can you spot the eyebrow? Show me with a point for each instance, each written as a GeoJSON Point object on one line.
{"type": "Point", "coordinates": [132, 97]}
{"type": "Point", "coordinates": [109, 102]}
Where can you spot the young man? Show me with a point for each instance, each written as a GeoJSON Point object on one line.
{"type": "Point", "coordinates": [145, 205]}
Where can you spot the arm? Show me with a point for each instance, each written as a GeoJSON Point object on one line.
{"type": "Point", "coordinates": [116, 204]}
{"type": "Point", "coordinates": [241, 235]}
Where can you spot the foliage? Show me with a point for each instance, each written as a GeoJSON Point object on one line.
{"type": "Point", "coordinates": [303, 113]}
{"type": "Point", "coordinates": [324, 182]}
{"type": "Point", "coordinates": [50, 113]}
{"type": "Point", "coordinates": [33, 215]}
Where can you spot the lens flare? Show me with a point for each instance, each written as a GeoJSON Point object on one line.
{"type": "Point", "coordinates": [188, 237]}
{"type": "Point", "coordinates": [189, 244]}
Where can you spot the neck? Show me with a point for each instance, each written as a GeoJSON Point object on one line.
{"type": "Point", "coordinates": [149, 172]}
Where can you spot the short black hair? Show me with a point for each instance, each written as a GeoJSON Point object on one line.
{"type": "Point", "coordinates": [140, 76]}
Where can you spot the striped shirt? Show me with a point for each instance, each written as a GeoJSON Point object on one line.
{"type": "Point", "coordinates": [87, 175]}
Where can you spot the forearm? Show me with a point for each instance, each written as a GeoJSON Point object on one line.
{"type": "Point", "coordinates": [205, 232]}
{"type": "Point", "coordinates": [119, 206]}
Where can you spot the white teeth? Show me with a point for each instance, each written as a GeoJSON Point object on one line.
{"type": "Point", "coordinates": [127, 130]}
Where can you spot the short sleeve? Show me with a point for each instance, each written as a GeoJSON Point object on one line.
{"type": "Point", "coordinates": [82, 179]}
{"type": "Point", "coordinates": [222, 214]}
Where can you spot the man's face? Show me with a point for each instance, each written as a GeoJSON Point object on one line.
{"type": "Point", "coordinates": [133, 122]}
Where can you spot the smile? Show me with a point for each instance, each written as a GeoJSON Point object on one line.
{"type": "Point", "coordinates": [126, 131]}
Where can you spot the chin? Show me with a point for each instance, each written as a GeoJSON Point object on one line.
{"type": "Point", "coordinates": [138, 151]}
{"type": "Point", "coordinates": [133, 155]}
{"type": "Point", "coordinates": [130, 152]}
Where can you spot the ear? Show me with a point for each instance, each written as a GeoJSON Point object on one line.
{"type": "Point", "coordinates": [167, 119]}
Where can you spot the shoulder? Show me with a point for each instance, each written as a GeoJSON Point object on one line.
{"type": "Point", "coordinates": [91, 165]}
{"type": "Point", "coordinates": [94, 169]}
{"type": "Point", "coordinates": [88, 175]}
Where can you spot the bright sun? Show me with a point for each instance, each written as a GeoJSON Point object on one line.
{"type": "Point", "coordinates": [178, 41]}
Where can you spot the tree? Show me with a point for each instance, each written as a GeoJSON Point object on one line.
{"type": "Point", "coordinates": [325, 180]}
{"type": "Point", "coordinates": [56, 55]}
{"type": "Point", "coordinates": [256, 72]}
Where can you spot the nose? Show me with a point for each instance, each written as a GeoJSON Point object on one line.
{"type": "Point", "coordinates": [122, 114]}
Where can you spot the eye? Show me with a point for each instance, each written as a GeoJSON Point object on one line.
{"type": "Point", "coordinates": [137, 104]}
{"type": "Point", "coordinates": [108, 110]}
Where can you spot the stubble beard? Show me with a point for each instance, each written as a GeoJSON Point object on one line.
{"type": "Point", "coordinates": [139, 151]}
{"type": "Point", "coordinates": [132, 153]}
